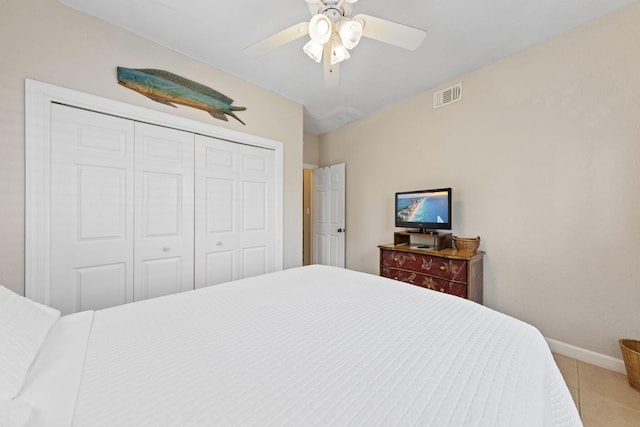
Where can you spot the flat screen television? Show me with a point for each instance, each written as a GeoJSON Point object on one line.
{"type": "Point", "coordinates": [426, 210]}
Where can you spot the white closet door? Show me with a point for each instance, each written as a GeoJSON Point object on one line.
{"type": "Point", "coordinates": [163, 211]}
{"type": "Point", "coordinates": [216, 228]}
{"type": "Point", "coordinates": [235, 211]}
{"type": "Point", "coordinates": [91, 210]}
{"type": "Point", "coordinates": [257, 210]}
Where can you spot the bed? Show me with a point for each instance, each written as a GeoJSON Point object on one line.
{"type": "Point", "coordinates": [309, 346]}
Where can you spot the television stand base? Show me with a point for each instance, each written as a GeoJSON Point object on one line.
{"type": "Point", "coordinates": [425, 231]}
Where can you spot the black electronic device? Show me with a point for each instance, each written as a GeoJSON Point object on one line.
{"type": "Point", "coordinates": [426, 210]}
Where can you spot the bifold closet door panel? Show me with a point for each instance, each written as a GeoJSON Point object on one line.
{"type": "Point", "coordinates": [235, 211]}
{"type": "Point", "coordinates": [216, 212]}
{"type": "Point", "coordinates": [164, 211]}
{"type": "Point", "coordinates": [257, 210]}
{"type": "Point", "coordinates": [92, 199]}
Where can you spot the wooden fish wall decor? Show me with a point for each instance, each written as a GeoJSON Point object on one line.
{"type": "Point", "coordinates": [168, 88]}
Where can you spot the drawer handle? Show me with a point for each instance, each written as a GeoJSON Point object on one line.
{"type": "Point", "coordinates": [443, 268]}
{"type": "Point", "coordinates": [441, 289]}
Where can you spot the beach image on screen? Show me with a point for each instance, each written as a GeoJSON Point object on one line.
{"type": "Point", "coordinates": [421, 207]}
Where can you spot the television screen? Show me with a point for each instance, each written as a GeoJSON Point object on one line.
{"type": "Point", "coordinates": [424, 209]}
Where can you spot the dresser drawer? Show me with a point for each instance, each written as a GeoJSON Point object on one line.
{"type": "Point", "coordinates": [450, 269]}
{"type": "Point", "coordinates": [425, 281]}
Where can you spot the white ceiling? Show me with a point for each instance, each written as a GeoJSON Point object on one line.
{"type": "Point", "coordinates": [462, 35]}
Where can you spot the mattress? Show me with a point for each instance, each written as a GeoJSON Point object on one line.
{"type": "Point", "coordinates": [310, 346]}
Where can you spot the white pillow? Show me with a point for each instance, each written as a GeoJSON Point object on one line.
{"type": "Point", "coordinates": [23, 326]}
{"type": "Point", "coordinates": [14, 413]}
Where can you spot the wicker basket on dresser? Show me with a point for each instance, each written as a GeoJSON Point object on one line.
{"type": "Point", "coordinates": [447, 270]}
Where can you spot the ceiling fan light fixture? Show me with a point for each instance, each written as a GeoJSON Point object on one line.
{"type": "Point", "coordinates": [320, 28]}
{"type": "Point", "coordinates": [338, 51]}
{"type": "Point", "coordinates": [313, 50]}
{"type": "Point", "coordinates": [350, 32]}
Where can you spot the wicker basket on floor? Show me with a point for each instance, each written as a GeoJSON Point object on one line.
{"type": "Point", "coordinates": [631, 354]}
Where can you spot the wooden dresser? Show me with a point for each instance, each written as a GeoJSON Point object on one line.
{"type": "Point", "coordinates": [447, 270]}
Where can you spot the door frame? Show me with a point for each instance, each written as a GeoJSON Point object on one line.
{"type": "Point", "coordinates": [307, 228]}
{"type": "Point", "coordinates": [38, 98]}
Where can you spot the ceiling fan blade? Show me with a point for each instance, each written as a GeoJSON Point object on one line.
{"type": "Point", "coordinates": [285, 36]}
{"type": "Point", "coordinates": [391, 32]}
{"type": "Point", "coordinates": [331, 72]}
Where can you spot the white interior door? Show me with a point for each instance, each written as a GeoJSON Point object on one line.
{"type": "Point", "coordinates": [164, 211]}
{"type": "Point", "coordinates": [92, 163]}
{"type": "Point", "coordinates": [329, 218]}
{"type": "Point", "coordinates": [235, 211]}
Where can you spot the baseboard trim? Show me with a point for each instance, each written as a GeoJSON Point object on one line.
{"type": "Point", "coordinates": [587, 356]}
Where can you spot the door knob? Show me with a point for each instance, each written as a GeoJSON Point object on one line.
{"type": "Point", "coordinates": [341, 230]}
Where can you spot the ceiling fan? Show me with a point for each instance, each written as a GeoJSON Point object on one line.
{"type": "Point", "coordinates": [333, 32]}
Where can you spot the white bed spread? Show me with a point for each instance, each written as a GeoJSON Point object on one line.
{"type": "Point", "coordinates": [317, 346]}
{"type": "Point", "coordinates": [51, 386]}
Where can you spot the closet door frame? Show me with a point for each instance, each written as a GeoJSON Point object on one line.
{"type": "Point", "coordinates": [38, 99]}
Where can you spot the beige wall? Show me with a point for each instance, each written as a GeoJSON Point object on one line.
{"type": "Point", "coordinates": [311, 153]}
{"type": "Point", "coordinates": [543, 154]}
{"type": "Point", "coordinates": [44, 40]}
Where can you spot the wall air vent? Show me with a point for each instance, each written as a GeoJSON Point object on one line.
{"type": "Point", "coordinates": [447, 96]}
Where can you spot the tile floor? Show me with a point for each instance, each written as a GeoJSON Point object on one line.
{"type": "Point", "coordinates": [604, 398]}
